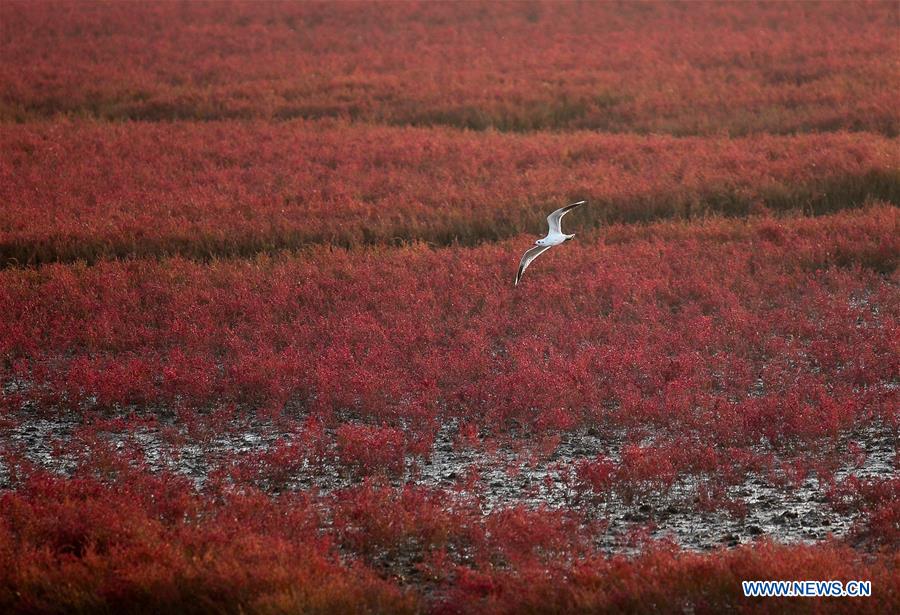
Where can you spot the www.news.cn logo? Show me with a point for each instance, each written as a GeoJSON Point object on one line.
{"type": "Point", "coordinates": [803, 589]}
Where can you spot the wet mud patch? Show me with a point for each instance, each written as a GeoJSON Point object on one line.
{"type": "Point", "coordinates": [501, 477]}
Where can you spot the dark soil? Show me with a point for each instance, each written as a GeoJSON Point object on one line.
{"type": "Point", "coordinates": [795, 513]}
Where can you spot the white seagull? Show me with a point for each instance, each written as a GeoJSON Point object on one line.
{"type": "Point", "coordinates": [554, 237]}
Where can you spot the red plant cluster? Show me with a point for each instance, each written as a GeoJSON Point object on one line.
{"type": "Point", "coordinates": [151, 543]}
{"type": "Point", "coordinates": [371, 449]}
{"type": "Point", "coordinates": [260, 350]}
{"type": "Point", "coordinates": [879, 500]}
{"type": "Point", "coordinates": [711, 339]}
{"type": "Point", "coordinates": [683, 314]}
{"type": "Point", "coordinates": [89, 191]}
{"type": "Point", "coordinates": [697, 68]}
{"type": "Point", "coordinates": [275, 467]}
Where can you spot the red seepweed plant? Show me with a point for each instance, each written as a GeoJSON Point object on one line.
{"type": "Point", "coordinates": [260, 351]}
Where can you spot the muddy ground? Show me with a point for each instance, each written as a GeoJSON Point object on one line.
{"type": "Point", "coordinates": [505, 478]}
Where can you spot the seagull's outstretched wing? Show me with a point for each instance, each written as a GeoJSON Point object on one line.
{"type": "Point", "coordinates": [555, 218]}
{"type": "Point", "coordinates": [529, 256]}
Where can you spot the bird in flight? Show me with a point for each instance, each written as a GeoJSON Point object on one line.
{"type": "Point", "coordinates": [554, 237]}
